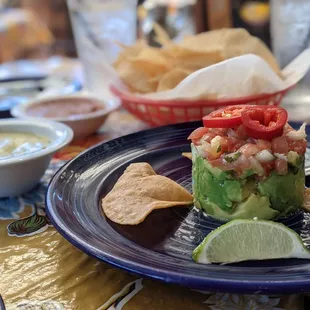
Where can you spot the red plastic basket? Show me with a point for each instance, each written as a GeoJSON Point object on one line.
{"type": "Point", "coordinates": [164, 112]}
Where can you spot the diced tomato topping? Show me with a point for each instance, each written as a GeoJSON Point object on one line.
{"type": "Point", "coordinates": [209, 136]}
{"type": "Point", "coordinates": [238, 145]}
{"type": "Point", "coordinates": [241, 132]}
{"type": "Point", "coordinates": [281, 166]}
{"type": "Point", "coordinates": [268, 167]}
{"type": "Point", "coordinates": [279, 145]}
{"type": "Point", "coordinates": [261, 128]}
{"type": "Point", "coordinates": [241, 164]}
{"type": "Point", "coordinates": [218, 131]}
{"type": "Point", "coordinates": [249, 149]}
{"type": "Point", "coordinates": [198, 133]}
{"type": "Point", "coordinates": [298, 146]}
{"type": "Point", "coordinates": [263, 144]}
{"type": "Point", "coordinates": [219, 163]}
{"type": "Point", "coordinates": [230, 145]}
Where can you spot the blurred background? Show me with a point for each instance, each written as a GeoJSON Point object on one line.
{"type": "Point", "coordinates": [32, 29]}
{"type": "Point", "coordinates": [39, 54]}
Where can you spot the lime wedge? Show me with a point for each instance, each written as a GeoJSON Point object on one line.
{"type": "Point", "coordinates": [241, 240]}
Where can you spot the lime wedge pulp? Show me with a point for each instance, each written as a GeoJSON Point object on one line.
{"type": "Point", "coordinates": [241, 240]}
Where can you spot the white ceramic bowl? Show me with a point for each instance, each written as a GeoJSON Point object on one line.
{"type": "Point", "coordinates": [22, 173]}
{"type": "Point", "coordinates": [82, 125]}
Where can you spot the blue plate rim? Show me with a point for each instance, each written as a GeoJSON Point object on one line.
{"type": "Point", "coordinates": [2, 306]}
{"type": "Point", "coordinates": [275, 285]}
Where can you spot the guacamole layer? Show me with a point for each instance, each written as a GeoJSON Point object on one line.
{"type": "Point", "coordinates": [223, 195]}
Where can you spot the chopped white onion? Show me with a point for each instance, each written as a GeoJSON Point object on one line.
{"type": "Point", "coordinates": [232, 157]}
{"type": "Point", "coordinates": [194, 151]}
{"type": "Point", "coordinates": [242, 161]}
{"type": "Point", "coordinates": [299, 134]}
{"type": "Point", "coordinates": [251, 140]}
{"type": "Point", "coordinates": [201, 150]}
{"type": "Point", "coordinates": [264, 156]}
{"type": "Point", "coordinates": [231, 133]}
{"type": "Point", "coordinates": [280, 156]}
{"type": "Point", "coordinates": [206, 145]}
{"type": "Point", "coordinates": [257, 167]}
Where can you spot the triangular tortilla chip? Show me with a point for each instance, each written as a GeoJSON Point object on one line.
{"type": "Point", "coordinates": [229, 43]}
{"type": "Point", "coordinates": [306, 205]}
{"type": "Point", "coordinates": [188, 155]}
{"type": "Point", "coordinates": [138, 192]}
{"type": "Point", "coordinates": [172, 79]}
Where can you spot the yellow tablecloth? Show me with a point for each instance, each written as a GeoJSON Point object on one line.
{"type": "Point", "coordinates": [40, 270]}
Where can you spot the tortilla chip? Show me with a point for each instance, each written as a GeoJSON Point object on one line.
{"type": "Point", "coordinates": [154, 56]}
{"type": "Point", "coordinates": [250, 45]}
{"type": "Point", "coordinates": [135, 78]}
{"type": "Point", "coordinates": [172, 79]}
{"type": "Point", "coordinates": [188, 155]}
{"type": "Point", "coordinates": [145, 69]}
{"type": "Point", "coordinates": [230, 43]}
{"type": "Point", "coordinates": [132, 50]}
{"type": "Point", "coordinates": [194, 62]}
{"type": "Point", "coordinates": [306, 205]}
{"type": "Point", "coordinates": [138, 192]}
{"type": "Point", "coordinates": [141, 72]}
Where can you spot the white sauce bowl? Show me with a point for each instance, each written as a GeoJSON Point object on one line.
{"type": "Point", "coordinates": [20, 174]}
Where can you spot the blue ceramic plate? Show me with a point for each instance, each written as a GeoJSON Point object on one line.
{"type": "Point", "coordinates": [2, 307]}
{"type": "Point", "coordinates": [161, 246]}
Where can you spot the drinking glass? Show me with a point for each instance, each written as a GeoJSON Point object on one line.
{"type": "Point", "coordinates": [290, 28]}
{"type": "Point", "coordinates": [290, 34]}
{"type": "Point", "coordinates": [98, 26]}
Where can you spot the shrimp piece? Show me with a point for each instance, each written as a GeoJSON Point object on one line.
{"type": "Point", "coordinates": [249, 149]}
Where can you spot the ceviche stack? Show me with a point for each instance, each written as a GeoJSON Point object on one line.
{"type": "Point", "coordinates": [248, 162]}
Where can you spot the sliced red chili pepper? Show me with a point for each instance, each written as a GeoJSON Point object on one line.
{"type": "Point", "coordinates": [227, 117]}
{"type": "Point", "coordinates": [264, 122]}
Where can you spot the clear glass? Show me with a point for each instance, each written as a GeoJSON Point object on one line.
{"type": "Point", "coordinates": [97, 27]}
{"type": "Point", "coordinates": [290, 28]}
{"type": "Point", "coordinates": [290, 34]}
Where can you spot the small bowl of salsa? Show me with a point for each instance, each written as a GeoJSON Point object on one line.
{"type": "Point", "coordinates": [84, 113]}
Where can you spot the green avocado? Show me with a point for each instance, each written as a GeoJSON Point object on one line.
{"type": "Point", "coordinates": [294, 159]}
{"type": "Point", "coordinates": [254, 206]}
{"type": "Point", "coordinates": [224, 193]}
{"type": "Point", "coordinates": [247, 173]}
{"type": "Point", "coordinates": [215, 172]}
{"type": "Point", "coordinates": [237, 191]}
{"type": "Point", "coordinates": [226, 196]}
{"type": "Point", "coordinates": [205, 184]}
{"type": "Point", "coordinates": [215, 191]}
{"type": "Point", "coordinates": [286, 192]}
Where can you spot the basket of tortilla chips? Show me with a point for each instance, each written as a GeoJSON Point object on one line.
{"type": "Point", "coordinates": [164, 112]}
{"type": "Point", "coordinates": [184, 81]}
